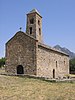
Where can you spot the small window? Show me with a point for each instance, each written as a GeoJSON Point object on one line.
{"type": "Point", "coordinates": [56, 63]}
{"type": "Point", "coordinates": [38, 22]}
{"type": "Point", "coordinates": [64, 62]}
{"type": "Point", "coordinates": [53, 73]}
{"type": "Point", "coordinates": [39, 31]}
{"type": "Point", "coordinates": [32, 21]}
{"type": "Point", "coordinates": [30, 30]}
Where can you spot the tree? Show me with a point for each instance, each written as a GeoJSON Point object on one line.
{"type": "Point", "coordinates": [72, 65]}
{"type": "Point", "coordinates": [2, 62]}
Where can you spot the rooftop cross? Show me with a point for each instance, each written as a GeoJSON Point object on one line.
{"type": "Point", "coordinates": [20, 28]}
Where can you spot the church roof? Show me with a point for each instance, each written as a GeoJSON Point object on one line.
{"type": "Point", "coordinates": [34, 11]}
{"type": "Point", "coordinates": [52, 49]}
{"type": "Point", "coordinates": [39, 44]}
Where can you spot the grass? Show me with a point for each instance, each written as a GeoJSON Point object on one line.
{"type": "Point", "coordinates": [23, 88]}
{"type": "Point", "coordinates": [2, 70]}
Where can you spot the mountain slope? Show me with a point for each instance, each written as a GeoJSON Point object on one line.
{"type": "Point", "coordinates": [71, 54]}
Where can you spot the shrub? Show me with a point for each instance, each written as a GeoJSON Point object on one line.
{"type": "Point", "coordinates": [2, 62]}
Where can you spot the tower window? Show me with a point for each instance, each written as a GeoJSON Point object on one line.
{"type": "Point", "coordinates": [30, 30]}
{"type": "Point", "coordinates": [38, 22]}
{"type": "Point", "coordinates": [32, 21]}
{"type": "Point", "coordinates": [39, 31]}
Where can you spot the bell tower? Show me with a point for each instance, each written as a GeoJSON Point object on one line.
{"type": "Point", "coordinates": [34, 25]}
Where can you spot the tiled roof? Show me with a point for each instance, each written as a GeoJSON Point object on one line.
{"type": "Point", "coordinates": [52, 49]}
{"type": "Point", "coordinates": [34, 11]}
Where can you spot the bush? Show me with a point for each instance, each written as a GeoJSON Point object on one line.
{"type": "Point", "coordinates": [72, 65]}
{"type": "Point", "coordinates": [2, 62]}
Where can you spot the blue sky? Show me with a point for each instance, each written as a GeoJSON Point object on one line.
{"type": "Point", "coordinates": [58, 23]}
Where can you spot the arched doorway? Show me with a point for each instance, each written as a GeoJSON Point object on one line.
{"type": "Point", "coordinates": [20, 69]}
{"type": "Point", "coordinates": [53, 73]}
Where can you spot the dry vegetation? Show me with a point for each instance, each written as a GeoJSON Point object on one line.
{"type": "Point", "coordinates": [22, 88]}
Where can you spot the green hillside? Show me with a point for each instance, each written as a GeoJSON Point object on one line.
{"type": "Point", "coordinates": [22, 88]}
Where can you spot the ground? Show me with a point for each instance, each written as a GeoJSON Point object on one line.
{"type": "Point", "coordinates": [23, 88]}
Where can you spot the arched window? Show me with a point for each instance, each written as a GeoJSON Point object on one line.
{"type": "Point", "coordinates": [53, 73]}
{"type": "Point", "coordinates": [56, 64]}
{"type": "Point", "coordinates": [64, 63]}
{"type": "Point", "coordinates": [39, 31]}
{"type": "Point", "coordinates": [32, 21]}
{"type": "Point", "coordinates": [20, 69]}
{"type": "Point", "coordinates": [30, 30]}
{"type": "Point", "coordinates": [38, 22]}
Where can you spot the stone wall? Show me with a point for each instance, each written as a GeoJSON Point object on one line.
{"type": "Point", "coordinates": [21, 50]}
{"type": "Point", "coordinates": [35, 26]}
{"type": "Point", "coordinates": [47, 60]}
{"type": "Point", "coordinates": [24, 49]}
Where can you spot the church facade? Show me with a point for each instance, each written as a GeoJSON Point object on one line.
{"type": "Point", "coordinates": [26, 53]}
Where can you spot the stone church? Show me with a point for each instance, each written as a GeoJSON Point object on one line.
{"type": "Point", "coordinates": [27, 54]}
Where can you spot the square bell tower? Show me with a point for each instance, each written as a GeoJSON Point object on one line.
{"type": "Point", "coordinates": [34, 25]}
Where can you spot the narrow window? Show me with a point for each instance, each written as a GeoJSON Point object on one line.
{"type": "Point", "coordinates": [53, 73]}
{"type": "Point", "coordinates": [56, 64]}
{"type": "Point", "coordinates": [64, 63]}
{"type": "Point", "coordinates": [30, 30]}
{"type": "Point", "coordinates": [38, 22]}
{"type": "Point", "coordinates": [39, 31]}
{"type": "Point", "coordinates": [32, 21]}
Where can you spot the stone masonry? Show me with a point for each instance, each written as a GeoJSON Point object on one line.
{"type": "Point", "coordinates": [49, 60]}
{"type": "Point", "coordinates": [21, 50]}
{"type": "Point", "coordinates": [26, 53]}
